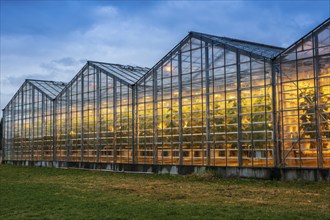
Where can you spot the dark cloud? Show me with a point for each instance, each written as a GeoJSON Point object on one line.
{"type": "Point", "coordinates": [66, 61]}
{"type": "Point", "coordinates": [141, 36]}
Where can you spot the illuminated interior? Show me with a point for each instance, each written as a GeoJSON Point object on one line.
{"type": "Point", "coordinates": [211, 101]}
{"type": "Point", "coordinates": [28, 121]}
{"type": "Point", "coordinates": [304, 101]}
{"type": "Point", "coordinates": [188, 108]}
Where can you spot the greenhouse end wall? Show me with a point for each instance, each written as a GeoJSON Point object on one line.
{"type": "Point", "coordinates": [206, 104]}
{"type": "Point", "coordinates": [212, 104]}
{"type": "Point", "coordinates": [303, 85]}
{"type": "Point", "coordinates": [94, 119]}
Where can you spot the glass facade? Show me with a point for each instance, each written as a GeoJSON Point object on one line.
{"type": "Point", "coordinates": [206, 104]}
{"type": "Point", "coordinates": [28, 122]}
{"type": "Point", "coordinates": [211, 101]}
{"type": "Point", "coordinates": [304, 101]}
{"type": "Point", "coordinates": [94, 116]}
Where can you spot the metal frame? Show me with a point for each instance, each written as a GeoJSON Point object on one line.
{"type": "Point", "coordinates": [127, 79]}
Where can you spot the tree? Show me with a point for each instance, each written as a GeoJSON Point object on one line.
{"type": "Point", "coordinates": [308, 117]}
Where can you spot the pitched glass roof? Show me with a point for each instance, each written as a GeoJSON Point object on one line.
{"type": "Point", "coordinates": [252, 47]}
{"type": "Point", "coordinates": [323, 26]}
{"type": "Point", "coordinates": [50, 88]}
{"type": "Point", "coordinates": [129, 74]}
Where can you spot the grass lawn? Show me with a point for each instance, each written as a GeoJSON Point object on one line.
{"type": "Point", "coordinates": [48, 193]}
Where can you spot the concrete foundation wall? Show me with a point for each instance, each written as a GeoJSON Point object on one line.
{"type": "Point", "coordinates": [286, 174]}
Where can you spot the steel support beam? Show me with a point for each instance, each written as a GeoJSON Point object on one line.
{"type": "Point", "coordinates": [54, 110]}
{"type": "Point", "coordinates": [12, 130]}
{"type": "Point", "coordinates": [155, 120]}
{"type": "Point", "coordinates": [67, 126]}
{"type": "Point", "coordinates": [133, 123]}
{"type": "Point", "coordinates": [82, 118]}
{"type": "Point", "coordinates": [114, 120]}
{"type": "Point", "coordinates": [207, 96]}
{"type": "Point", "coordinates": [180, 106]}
{"type": "Point", "coordinates": [275, 98]}
{"type": "Point", "coordinates": [239, 110]}
{"type": "Point", "coordinates": [43, 102]}
{"type": "Point", "coordinates": [317, 101]}
{"type": "Point", "coordinates": [3, 137]}
{"type": "Point", "coordinates": [33, 117]}
{"type": "Point", "coordinates": [98, 114]}
{"type": "Point", "coordinates": [22, 124]}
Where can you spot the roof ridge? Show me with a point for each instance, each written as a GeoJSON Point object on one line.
{"type": "Point", "coordinates": [118, 64]}
{"type": "Point", "coordinates": [239, 40]}
{"type": "Point", "coordinates": [255, 43]}
{"type": "Point", "coordinates": [43, 80]}
{"type": "Point", "coordinates": [303, 37]}
{"type": "Point", "coordinates": [127, 73]}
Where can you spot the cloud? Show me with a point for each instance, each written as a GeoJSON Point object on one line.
{"type": "Point", "coordinates": [140, 36]}
{"type": "Point", "coordinates": [106, 11]}
{"type": "Point", "coordinates": [66, 61]}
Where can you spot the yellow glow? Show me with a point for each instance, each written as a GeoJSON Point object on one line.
{"type": "Point", "coordinates": [167, 68]}
{"type": "Point", "coordinates": [161, 125]}
{"type": "Point", "coordinates": [72, 132]}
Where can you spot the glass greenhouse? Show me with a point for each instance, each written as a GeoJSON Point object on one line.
{"type": "Point", "coordinates": [211, 101]}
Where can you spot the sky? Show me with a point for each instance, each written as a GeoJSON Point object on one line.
{"type": "Point", "coordinates": [52, 40]}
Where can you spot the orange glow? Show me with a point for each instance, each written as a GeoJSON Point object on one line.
{"type": "Point", "coordinates": [167, 68]}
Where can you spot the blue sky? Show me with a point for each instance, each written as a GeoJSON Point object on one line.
{"type": "Point", "coordinates": [52, 40]}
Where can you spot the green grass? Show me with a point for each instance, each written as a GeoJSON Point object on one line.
{"type": "Point", "coordinates": [47, 193]}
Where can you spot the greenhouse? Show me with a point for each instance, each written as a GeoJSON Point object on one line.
{"type": "Point", "coordinates": [210, 102]}
{"type": "Point", "coordinates": [28, 124]}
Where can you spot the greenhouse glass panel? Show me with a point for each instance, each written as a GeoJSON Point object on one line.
{"type": "Point", "coordinates": [304, 101]}
{"type": "Point", "coordinates": [94, 115]}
{"type": "Point", "coordinates": [28, 122]}
{"type": "Point", "coordinates": [211, 101]}
{"type": "Point", "coordinates": [190, 111]}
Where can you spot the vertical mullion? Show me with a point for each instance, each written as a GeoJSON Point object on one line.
{"type": "Point", "coordinates": [317, 100]}
{"type": "Point", "coordinates": [208, 150]}
{"type": "Point", "coordinates": [265, 112]}
{"type": "Point", "coordinates": [133, 123]}
{"type": "Point", "coordinates": [54, 118]}
{"type": "Point", "coordinates": [136, 148]}
{"type": "Point", "coordinates": [4, 133]}
{"type": "Point", "coordinates": [22, 122]}
{"type": "Point", "coordinates": [225, 96]}
{"type": "Point", "coordinates": [98, 118]}
{"type": "Point", "coordinates": [68, 119]}
{"type": "Point", "coordinates": [33, 117]}
{"type": "Point", "coordinates": [155, 114]}
{"type": "Point", "coordinates": [298, 109]}
{"type": "Point", "coordinates": [202, 99]}
{"type": "Point", "coordinates": [121, 122]}
{"type": "Point", "coordinates": [12, 133]}
{"type": "Point", "coordinates": [251, 112]}
{"type": "Point", "coordinates": [283, 159]}
{"type": "Point", "coordinates": [162, 101]}
{"type": "Point", "coordinates": [180, 106]}
{"type": "Point", "coordinates": [191, 104]}
{"type": "Point", "coordinates": [82, 111]}
{"type": "Point", "coordinates": [275, 103]}
{"type": "Point", "coordinates": [171, 123]}
{"type": "Point", "coordinates": [239, 110]}
{"type": "Point", "coordinates": [145, 121]}
{"type": "Point", "coordinates": [43, 127]}
{"type": "Point", "coordinates": [213, 110]}
{"type": "Point", "coordinates": [114, 119]}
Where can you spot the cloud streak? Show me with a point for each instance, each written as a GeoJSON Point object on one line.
{"type": "Point", "coordinates": [140, 36]}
